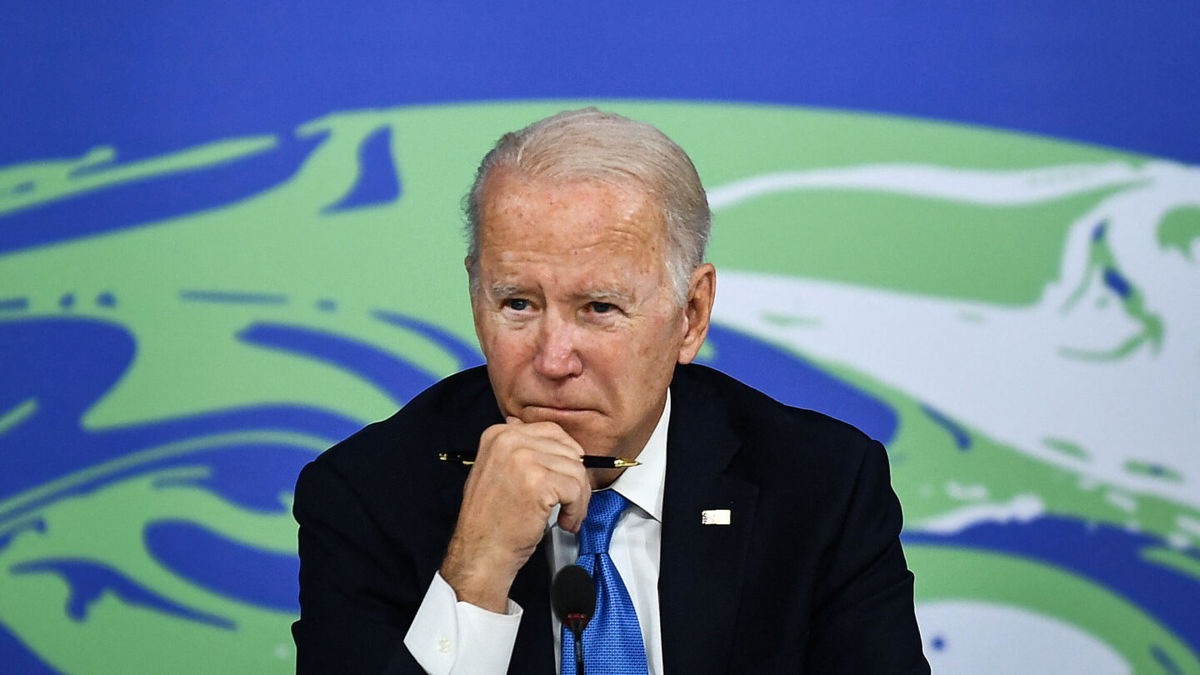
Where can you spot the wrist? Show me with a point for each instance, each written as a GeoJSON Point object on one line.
{"type": "Point", "coordinates": [478, 580]}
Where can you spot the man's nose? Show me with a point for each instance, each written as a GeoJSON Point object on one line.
{"type": "Point", "coordinates": [557, 353]}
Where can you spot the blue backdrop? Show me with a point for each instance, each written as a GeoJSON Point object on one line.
{"type": "Point", "coordinates": [223, 235]}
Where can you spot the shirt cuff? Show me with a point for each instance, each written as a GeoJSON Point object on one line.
{"type": "Point", "coordinates": [448, 637]}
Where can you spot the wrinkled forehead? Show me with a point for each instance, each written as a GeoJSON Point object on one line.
{"type": "Point", "coordinates": [582, 208]}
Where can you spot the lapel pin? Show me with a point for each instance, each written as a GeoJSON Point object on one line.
{"type": "Point", "coordinates": [714, 517]}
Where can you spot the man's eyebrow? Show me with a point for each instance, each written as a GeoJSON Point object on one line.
{"type": "Point", "coordinates": [506, 290]}
{"type": "Point", "coordinates": [607, 295]}
{"type": "Point", "coordinates": [598, 295]}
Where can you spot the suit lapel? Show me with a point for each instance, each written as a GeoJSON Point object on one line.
{"type": "Point", "coordinates": [702, 565]}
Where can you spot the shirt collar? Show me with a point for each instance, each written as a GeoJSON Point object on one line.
{"type": "Point", "coordinates": [643, 485]}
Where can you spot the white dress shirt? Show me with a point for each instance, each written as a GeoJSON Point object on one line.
{"type": "Point", "coordinates": [448, 637]}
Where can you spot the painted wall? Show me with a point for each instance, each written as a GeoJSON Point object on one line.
{"type": "Point", "coordinates": [230, 236]}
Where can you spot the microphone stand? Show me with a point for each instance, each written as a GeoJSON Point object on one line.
{"type": "Point", "coordinates": [576, 623]}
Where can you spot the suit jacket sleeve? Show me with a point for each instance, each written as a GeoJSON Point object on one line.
{"type": "Point", "coordinates": [355, 606]}
{"type": "Point", "coordinates": [863, 618]}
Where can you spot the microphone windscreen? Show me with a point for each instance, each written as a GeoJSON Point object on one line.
{"type": "Point", "coordinates": [573, 592]}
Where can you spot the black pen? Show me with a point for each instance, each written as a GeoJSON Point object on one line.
{"type": "Point", "coordinates": [589, 461]}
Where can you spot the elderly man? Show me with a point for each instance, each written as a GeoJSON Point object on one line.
{"type": "Point", "coordinates": [751, 537]}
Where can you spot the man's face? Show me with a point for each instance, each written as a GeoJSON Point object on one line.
{"type": "Point", "coordinates": [574, 308]}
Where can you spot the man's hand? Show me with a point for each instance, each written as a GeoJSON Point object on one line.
{"type": "Point", "coordinates": [520, 473]}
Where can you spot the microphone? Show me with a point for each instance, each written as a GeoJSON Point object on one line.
{"type": "Point", "coordinates": [573, 595]}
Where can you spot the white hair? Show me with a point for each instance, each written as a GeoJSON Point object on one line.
{"type": "Point", "coordinates": [590, 144]}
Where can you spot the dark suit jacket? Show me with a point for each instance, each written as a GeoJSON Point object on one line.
{"type": "Point", "coordinates": [809, 577]}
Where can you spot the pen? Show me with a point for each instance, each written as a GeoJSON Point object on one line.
{"type": "Point", "coordinates": [589, 461]}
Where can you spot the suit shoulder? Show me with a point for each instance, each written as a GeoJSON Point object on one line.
{"type": "Point", "coordinates": [755, 414]}
{"type": "Point", "coordinates": [435, 420]}
{"type": "Point", "coordinates": [808, 464]}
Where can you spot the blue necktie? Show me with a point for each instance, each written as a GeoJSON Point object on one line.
{"type": "Point", "coordinates": [612, 641]}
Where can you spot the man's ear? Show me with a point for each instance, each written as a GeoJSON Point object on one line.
{"type": "Point", "coordinates": [697, 311]}
{"type": "Point", "coordinates": [469, 264]}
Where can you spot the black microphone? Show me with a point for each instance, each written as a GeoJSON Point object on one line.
{"type": "Point", "coordinates": [573, 595]}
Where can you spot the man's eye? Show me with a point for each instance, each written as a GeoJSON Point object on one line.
{"type": "Point", "coordinates": [517, 304]}
{"type": "Point", "coordinates": [603, 307]}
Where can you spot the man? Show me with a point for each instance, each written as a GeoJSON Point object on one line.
{"type": "Point", "coordinates": [752, 538]}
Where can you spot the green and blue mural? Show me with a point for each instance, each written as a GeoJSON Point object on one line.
{"type": "Point", "coordinates": [187, 316]}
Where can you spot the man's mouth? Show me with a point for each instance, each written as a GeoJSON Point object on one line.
{"type": "Point", "coordinates": [556, 409]}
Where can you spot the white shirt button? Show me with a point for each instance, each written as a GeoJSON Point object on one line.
{"type": "Point", "coordinates": [445, 645]}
